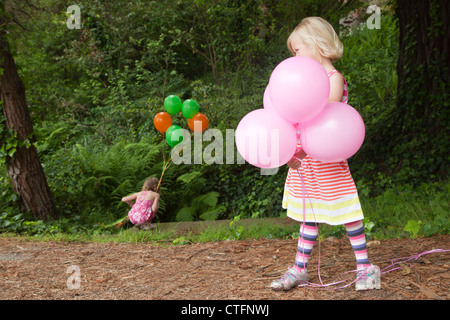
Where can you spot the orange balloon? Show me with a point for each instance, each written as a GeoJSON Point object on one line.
{"type": "Point", "coordinates": [200, 120]}
{"type": "Point", "coordinates": [162, 121]}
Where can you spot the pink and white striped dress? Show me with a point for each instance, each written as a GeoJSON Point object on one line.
{"type": "Point", "coordinates": [331, 195]}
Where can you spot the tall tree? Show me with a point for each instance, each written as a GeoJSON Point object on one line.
{"type": "Point", "coordinates": [23, 165]}
{"type": "Point", "coordinates": [422, 117]}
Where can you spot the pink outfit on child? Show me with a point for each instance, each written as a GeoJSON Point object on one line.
{"type": "Point", "coordinates": [345, 93]}
{"type": "Point", "coordinates": [141, 212]}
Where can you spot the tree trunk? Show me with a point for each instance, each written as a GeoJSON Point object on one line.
{"type": "Point", "coordinates": [24, 169]}
{"type": "Point", "coordinates": [421, 120]}
{"type": "Point", "coordinates": [424, 56]}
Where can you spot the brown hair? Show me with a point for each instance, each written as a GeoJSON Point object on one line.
{"type": "Point", "coordinates": [150, 184]}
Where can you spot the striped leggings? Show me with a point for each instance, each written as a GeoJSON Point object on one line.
{"type": "Point", "coordinates": [308, 236]}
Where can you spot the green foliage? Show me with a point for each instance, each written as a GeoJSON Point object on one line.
{"type": "Point", "coordinates": [9, 142]}
{"type": "Point", "coordinates": [423, 115]}
{"type": "Point", "coordinates": [418, 211]}
{"type": "Point", "coordinates": [23, 223]}
{"type": "Point", "coordinates": [195, 205]}
{"type": "Point", "coordinates": [369, 66]}
{"type": "Point", "coordinates": [247, 193]}
{"type": "Point", "coordinates": [98, 176]}
{"type": "Point", "coordinates": [92, 95]}
{"type": "Point", "coordinates": [413, 227]}
{"type": "Point", "coordinates": [389, 215]}
{"type": "Point", "coordinates": [204, 207]}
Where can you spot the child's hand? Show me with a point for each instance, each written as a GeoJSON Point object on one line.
{"type": "Point", "coordinates": [296, 162]}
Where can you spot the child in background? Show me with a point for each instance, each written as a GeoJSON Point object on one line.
{"type": "Point", "coordinates": [144, 209]}
{"type": "Point", "coordinates": [331, 193]}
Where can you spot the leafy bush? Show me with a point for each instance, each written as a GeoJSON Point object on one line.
{"type": "Point", "coordinates": [23, 223]}
{"type": "Point", "coordinates": [417, 211]}
{"type": "Point", "coordinates": [369, 66]}
{"type": "Point", "coordinates": [92, 178]}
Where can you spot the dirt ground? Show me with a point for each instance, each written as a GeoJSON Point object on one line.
{"type": "Point", "coordinates": [227, 270]}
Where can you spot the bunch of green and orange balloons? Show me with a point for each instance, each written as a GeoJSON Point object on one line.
{"type": "Point", "coordinates": [189, 108]}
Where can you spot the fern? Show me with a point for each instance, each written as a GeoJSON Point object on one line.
{"type": "Point", "coordinates": [189, 177]}
{"type": "Point", "coordinates": [213, 214]}
{"type": "Point", "coordinates": [204, 207]}
{"type": "Point", "coordinates": [124, 188]}
{"type": "Point", "coordinates": [186, 214]}
{"type": "Point", "coordinates": [107, 173]}
{"type": "Point", "coordinates": [210, 199]}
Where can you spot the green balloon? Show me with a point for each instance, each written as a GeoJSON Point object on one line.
{"type": "Point", "coordinates": [172, 104]}
{"type": "Point", "coordinates": [172, 136]}
{"type": "Point", "coordinates": [189, 108]}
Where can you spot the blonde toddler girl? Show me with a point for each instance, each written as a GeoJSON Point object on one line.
{"type": "Point", "coordinates": [331, 191]}
{"type": "Point", "coordinates": [144, 209]}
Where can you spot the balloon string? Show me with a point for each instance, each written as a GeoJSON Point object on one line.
{"type": "Point", "coordinates": [394, 262]}
{"type": "Point", "coordinates": [304, 195]}
{"type": "Point", "coordinates": [406, 259]}
{"type": "Point", "coordinates": [166, 165]}
{"type": "Point", "coordinates": [162, 173]}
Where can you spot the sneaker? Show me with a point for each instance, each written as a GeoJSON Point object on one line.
{"type": "Point", "coordinates": [292, 278]}
{"type": "Point", "coordinates": [147, 226]}
{"type": "Point", "coordinates": [368, 278]}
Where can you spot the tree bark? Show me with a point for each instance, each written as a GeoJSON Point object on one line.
{"type": "Point", "coordinates": [421, 121]}
{"type": "Point", "coordinates": [424, 57]}
{"type": "Point", "coordinates": [24, 168]}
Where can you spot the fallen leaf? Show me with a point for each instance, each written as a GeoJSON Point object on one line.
{"type": "Point", "coordinates": [373, 243]}
{"type": "Point", "coordinates": [406, 270]}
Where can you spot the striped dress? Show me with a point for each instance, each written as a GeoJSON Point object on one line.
{"type": "Point", "coordinates": [330, 192]}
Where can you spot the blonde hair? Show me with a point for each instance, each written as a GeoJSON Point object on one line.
{"type": "Point", "coordinates": [318, 34]}
{"type": "Point", "coordinates": [150, 184]}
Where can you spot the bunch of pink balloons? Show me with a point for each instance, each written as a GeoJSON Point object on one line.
{"type": "Point", "coordinates": [297, 94]}
{"type": "Point", "coordinates": [265, 139]}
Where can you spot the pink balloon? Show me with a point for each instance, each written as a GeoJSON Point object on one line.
{"type": "Point", "coordinates": [299, 88]}
{"type": "Point", "coordinates": [267, 102]}
{"type": "Point", "coordinates": [265, 139]}
{"type": "Point", "coordinates": [334, 135]}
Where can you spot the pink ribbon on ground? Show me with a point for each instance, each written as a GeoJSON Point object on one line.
{"type": "Point", "coordinates": [393, 266]}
